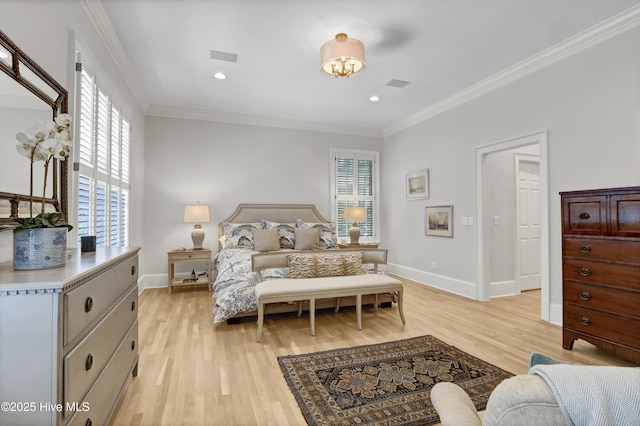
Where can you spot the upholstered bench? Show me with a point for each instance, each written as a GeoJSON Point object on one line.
{"type": "Point", "coordinates": [311, 287]}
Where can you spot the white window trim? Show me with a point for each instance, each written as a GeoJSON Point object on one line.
{"type": "Point", "coordinates": [333, 153]}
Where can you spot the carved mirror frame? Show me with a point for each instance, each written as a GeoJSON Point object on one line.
{"type": "Point", "coordinates": [59, 105]}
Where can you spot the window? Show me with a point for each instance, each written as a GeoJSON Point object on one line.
{"type": "Point", "coordinates": [355, 183]}
{"type": "Point", "coordinates": [103, 180]}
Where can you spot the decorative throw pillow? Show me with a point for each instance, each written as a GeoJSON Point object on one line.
{"type": "Point", "coordinates": [328, 237]}
{"type": "Point", "coordinates": [239, 235]}
{"type": "Point", "coordinates": [329, 265]}
{"type": "Point", "coordinates": [307, 239]}
{"type": "Point", "coordinates": [301, 265]}
{"type": "Point", "coordinates": [266, 239]}
{"type": "Point", "coordinates": [286, 233]}
{"type": "Point", "coordinates": [353, 263]}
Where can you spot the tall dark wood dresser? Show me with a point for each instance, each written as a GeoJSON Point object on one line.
{"type": "Point", "coordinates": [601, 269]}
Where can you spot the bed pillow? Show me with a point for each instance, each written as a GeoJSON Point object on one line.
{"type": "Point", "coordinates": [286, 234]}
{"type": "Point", "coordinates": [328, 237]}
{"type": "Point", "coordinates": [301, 265]}
{"type": "Point", "coordinates": [266, 239]}
{"type": "Point", "coordinates": [307, 239]}
{"type": "Point", "coordinates": [353, 263]}
{"type": "Point", "coordinates": [239, 235]}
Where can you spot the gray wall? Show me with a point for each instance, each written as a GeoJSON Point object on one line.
{"type": "Point", "coordinates": [590, 105]}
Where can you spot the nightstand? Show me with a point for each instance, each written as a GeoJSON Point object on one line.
{"type": "Point", "coordinates": [358, 246]}
{"type": "Point", "coordinates": [188, 256]}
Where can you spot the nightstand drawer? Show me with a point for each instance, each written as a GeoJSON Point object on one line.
{"type": "Point", "coordinates": [88, 302]}
{"type": "Point", "coordinates": [192, 255]}
{"type": "Point", "coordinates": [85, 362]}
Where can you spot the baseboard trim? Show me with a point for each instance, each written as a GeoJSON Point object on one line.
{"type": "Point", "coordinates": [452, 285]}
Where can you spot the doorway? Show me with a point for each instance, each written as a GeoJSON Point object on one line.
{"type": "Point", "coordinates": [486, 221]}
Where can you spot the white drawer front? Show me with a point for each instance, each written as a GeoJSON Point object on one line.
{"type": "Point", "coordinates": [88, 302]}
{"type": "Point", "coordinates": [85, 362]}
{"type": "Point", "coordinates": [102, 398]}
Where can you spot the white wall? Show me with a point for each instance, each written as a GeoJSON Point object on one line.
{"type": "Point", "coordinates": [44, 30]}
{"type": "Point", "coordinates": [223, 165]}
{"type": "Point", "coordinates": [590, 105]}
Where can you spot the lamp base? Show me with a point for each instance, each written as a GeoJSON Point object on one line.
{"type": "Point", "coordinates": [197, 236]}
{"type": "Point", "coordinates": [354, 233]}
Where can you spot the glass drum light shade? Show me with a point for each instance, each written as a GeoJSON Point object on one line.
{"type": "Point", "coordinates": [342, 57]}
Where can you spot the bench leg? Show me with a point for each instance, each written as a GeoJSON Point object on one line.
{"type": "Point", "coordinates": [260, 321]}
{"type": "Point", "coordinates": [300, 309]}
{"type": "Point", "coordinates": [400, 307]}
{"type": "Point", "coordinates": [359, 311]}
{"type": "Point", "coordinates": [312, 315]}
{"type": "Point", "coordinates": [337, 308]}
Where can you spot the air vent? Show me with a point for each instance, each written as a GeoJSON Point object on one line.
{"type": "Point", "coordinates": [223, 56]}
{"type": "Point", "coordinates": [397, 83]}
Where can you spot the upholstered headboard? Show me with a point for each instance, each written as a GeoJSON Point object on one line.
{"type": "Point", "coordinates": [283, 213]}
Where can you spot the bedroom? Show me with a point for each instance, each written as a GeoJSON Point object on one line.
{"type": "Point", "coordinates": [586, 101]}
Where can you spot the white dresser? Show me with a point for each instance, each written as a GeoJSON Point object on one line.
{"type": "Point", "coordinates": [68, 338]}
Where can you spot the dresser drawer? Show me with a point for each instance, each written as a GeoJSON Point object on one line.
{"type": "Point", "coordinates": [102, 398]}
{"type": "Point", "coordinates": [625, 215]}
{"type": "Point", "coordinates": [585, 215]}
{"type": "Point", "coordinates": [88, 302]}
{"type": "Point", "coordinates": [614, 274]}
{"type": "Point", "coordinates": [603, 298]}
{"type": "Point", "coordinates": [616, 250]}
{"type": "Point", "coordinates": [625, 331]}
{"type": "Point", "coordinates": [85, 362]}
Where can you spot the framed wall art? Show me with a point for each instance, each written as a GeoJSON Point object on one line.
{"type": "Point", "coordinates": [417, 184]}
{"type": "Point", "coordinates": [439, 221]}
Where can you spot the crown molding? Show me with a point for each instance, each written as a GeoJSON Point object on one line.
{"type": "Point", "coordinates": [256, 120]}
{"type": "Point", "coordinates": [102, 24]}
{"type": "Point", "coordinates": [605, 30]}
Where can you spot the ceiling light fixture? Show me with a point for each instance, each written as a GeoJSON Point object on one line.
{"type": "Point", "coordinates": [220, 75]}
{"type": "Point", "coordinates": [374, 98]}
{"type": "Point", "coordinates": [342, 57]}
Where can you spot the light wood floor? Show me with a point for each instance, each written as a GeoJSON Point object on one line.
{"type": "Point", "coordinates": [193, 372]}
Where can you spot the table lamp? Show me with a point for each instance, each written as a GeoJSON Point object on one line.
{"type": "Point", "coordinates": [197, 214]}
{"type": "Point", "coordinates": [355, 214]}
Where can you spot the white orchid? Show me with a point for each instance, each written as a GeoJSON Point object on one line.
{"type": "Point", "coordinates": [42, 142]}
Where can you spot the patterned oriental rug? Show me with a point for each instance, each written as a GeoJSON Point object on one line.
{"type": "Point", "coordinates": [384, 384]}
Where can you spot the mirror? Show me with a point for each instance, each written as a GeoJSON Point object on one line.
{"type": "Point", "coordinates": [28, 95]}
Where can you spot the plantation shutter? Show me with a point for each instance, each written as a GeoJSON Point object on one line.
{"type": "Point", "coordinates": [355, 174]}
{"type": "Point", "coordinates": [103, 181]}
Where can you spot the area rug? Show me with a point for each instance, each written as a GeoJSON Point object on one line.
{"type": "Point", "coordinates": [384, 384]}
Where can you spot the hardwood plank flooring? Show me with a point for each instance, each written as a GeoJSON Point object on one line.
{"type": "Point", "coordinates": [192, 372]}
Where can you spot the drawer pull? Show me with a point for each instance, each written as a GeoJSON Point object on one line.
{"type": "Point", "coordinates": [89, 363]}
{"type": "Point", "coordinates": [133, 270]}
{"type": "Point", "coordinates": [585, 248]}
{"type": "Point", "coordinates": [133, 305]}
{"type": "Point", "coordinates": [585, 272]}
{"type": "Point", "coordinates": [584, 216]}
{"type": "Point", "coordinates": [88, 304]}
{"type": "Point", "coordinates": [88, 423]}
{"type": "Point", "coordinates": [584, 295]}
{"type": "Point", "coordinates": [585, 321]}
{"type": "Point", "coordinates": [133, 344]}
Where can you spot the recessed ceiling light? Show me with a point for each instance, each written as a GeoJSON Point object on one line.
{"type": "Point", "coordinates": [220, 75]}
{"type": "Point", "coordinates": [374, 98]}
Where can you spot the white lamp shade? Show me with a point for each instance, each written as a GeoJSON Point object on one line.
{"type": "Point", "coordinates": [341, 49]}
{"type": "Point", "coordinates": [355, 214]}
{"type": "Point", "coordinates": [197, 214]}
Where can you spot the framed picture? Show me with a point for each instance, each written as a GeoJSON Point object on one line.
{"type": "Point", "coordinates": [417, 184]}
{"type": "Point", "coordinates": [439, 221]}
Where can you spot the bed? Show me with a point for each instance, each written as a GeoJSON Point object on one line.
{"type": "Point", "coordinates": [234, 284]}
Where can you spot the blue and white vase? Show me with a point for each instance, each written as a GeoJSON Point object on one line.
{"type": "Point", "coordinates": [40, 248]}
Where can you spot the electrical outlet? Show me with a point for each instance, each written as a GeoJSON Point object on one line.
{"type": "Point", "coordinates": [433, 265]}
{"type": "Point", "coordinates": [496, 220]}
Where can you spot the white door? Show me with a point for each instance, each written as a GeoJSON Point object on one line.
{"type": "Point", "coordinates": [528, 202]}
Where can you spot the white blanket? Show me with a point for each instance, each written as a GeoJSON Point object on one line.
{"type": "Point", "coordinates": [594, 395]}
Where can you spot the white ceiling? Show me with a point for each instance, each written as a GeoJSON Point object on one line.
{"type": "Point", "coordinates": [441, 47]}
